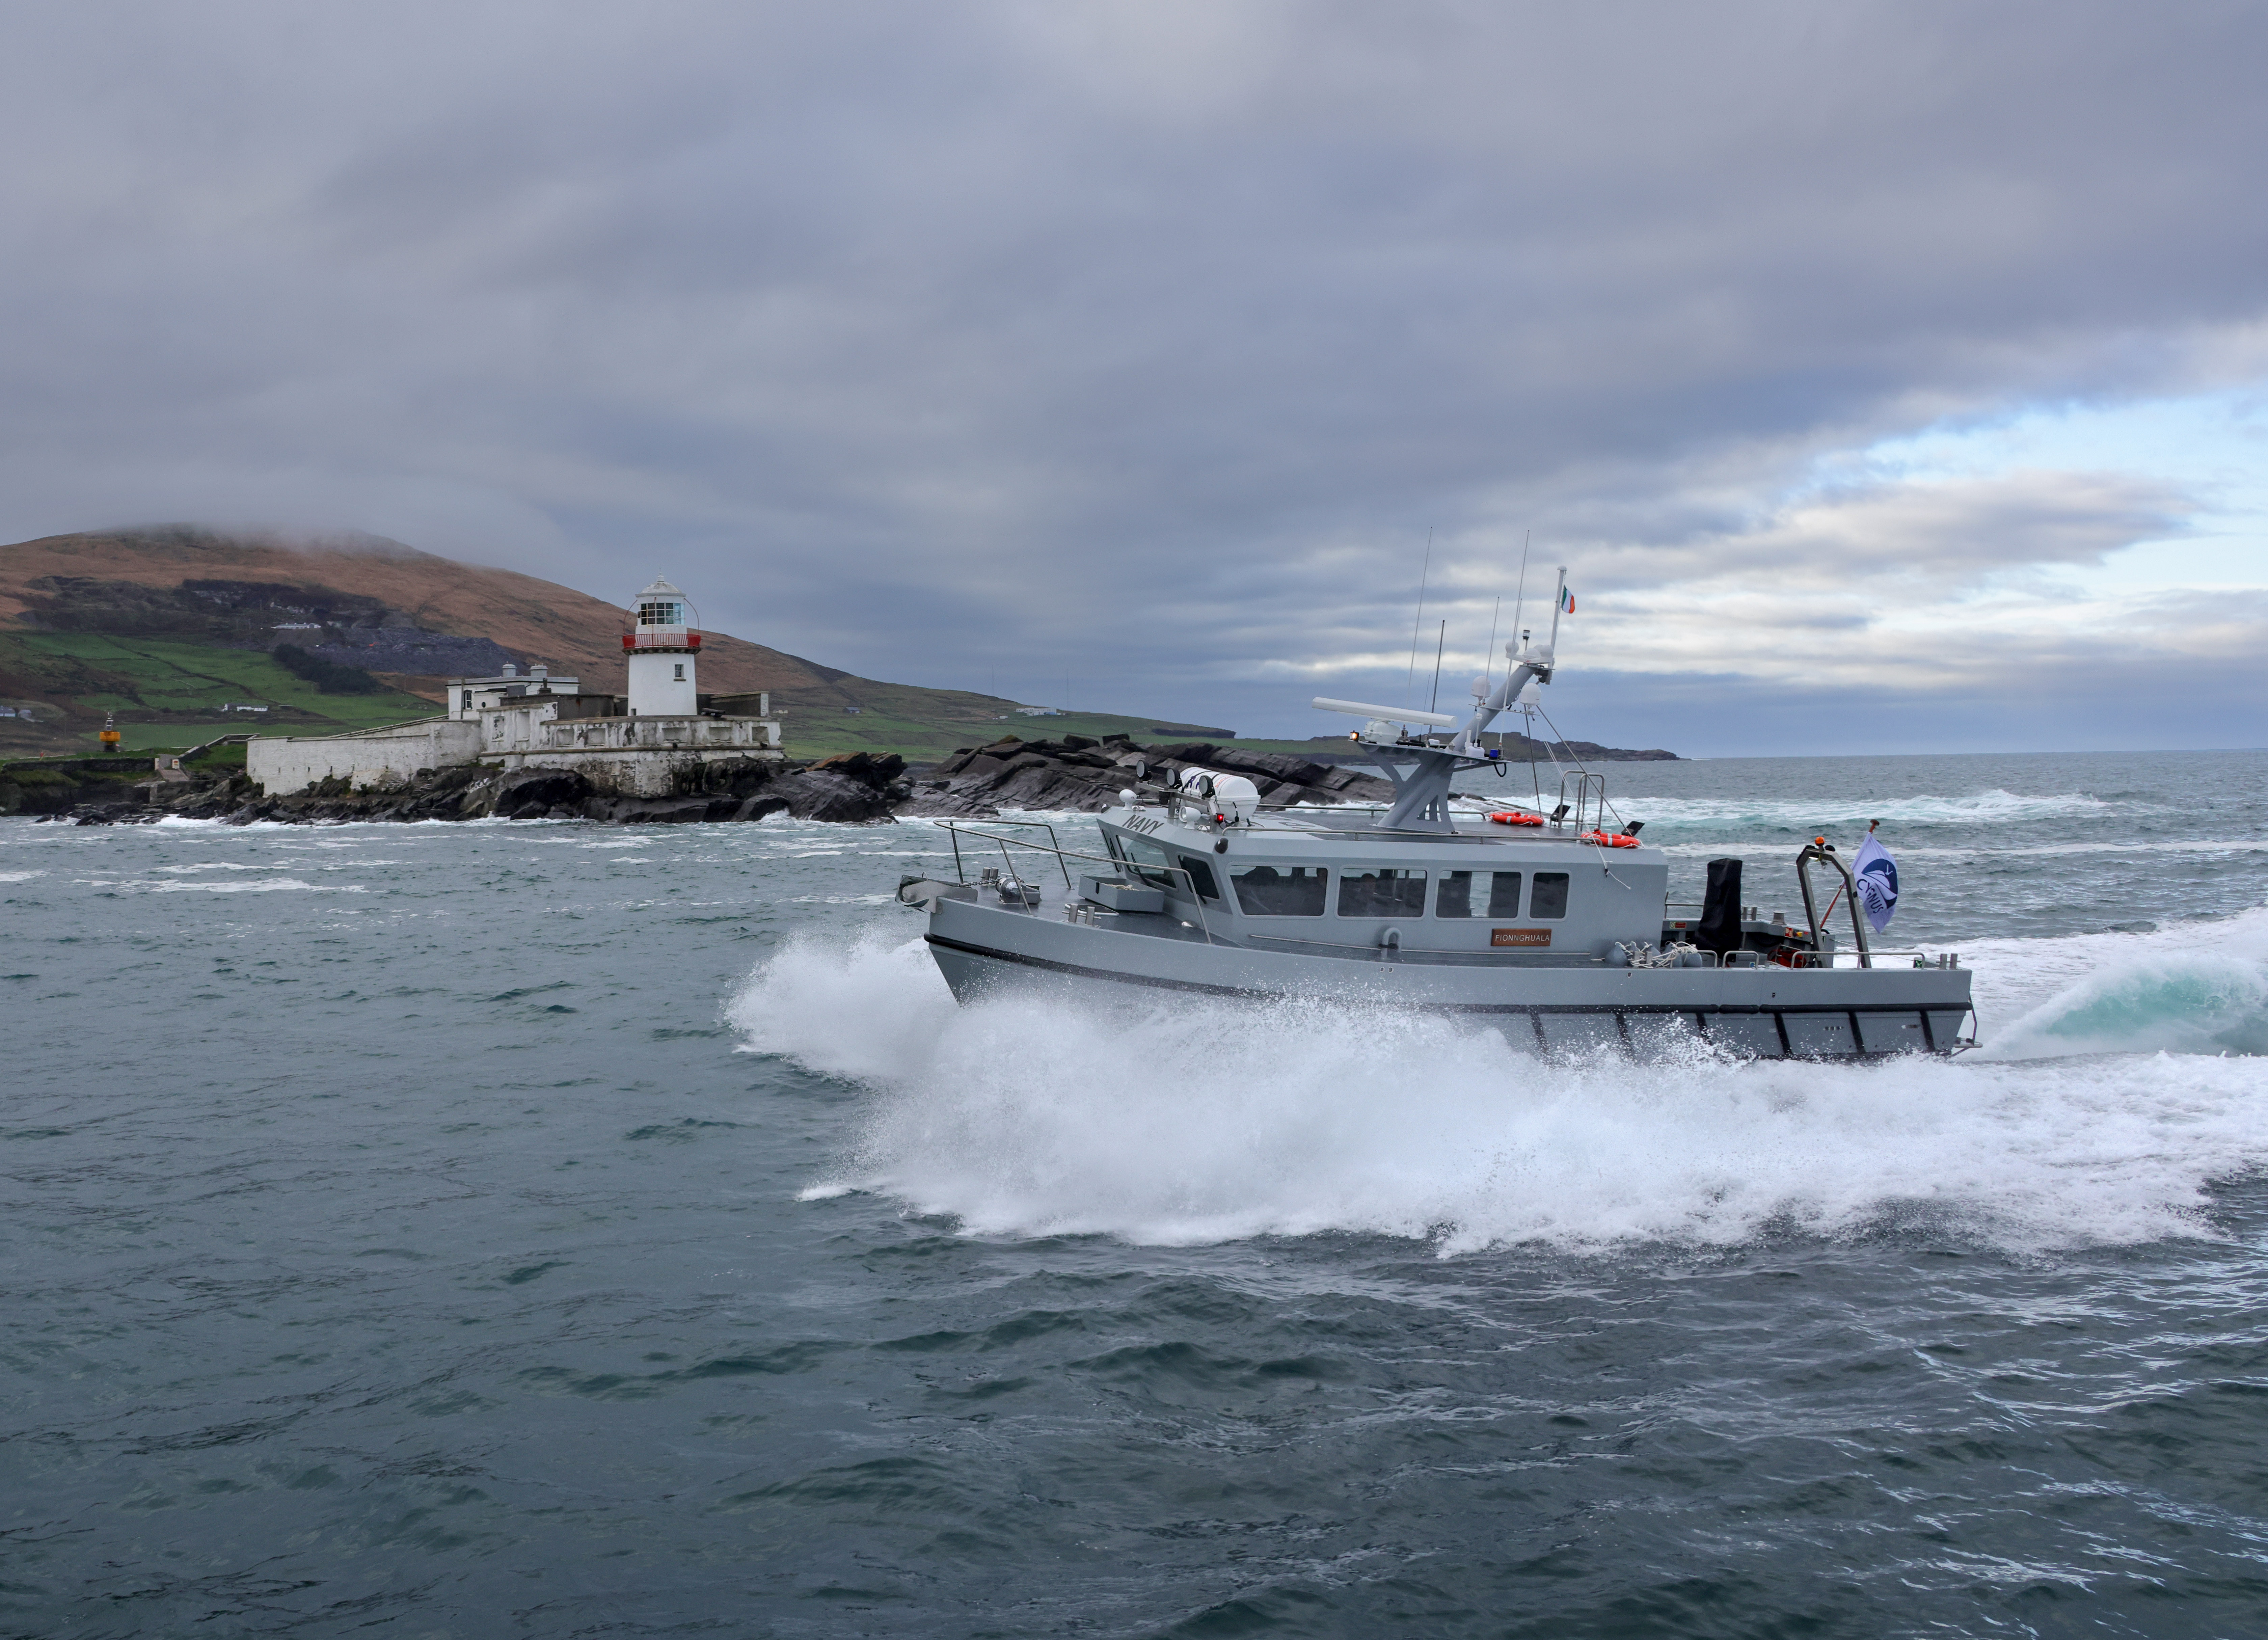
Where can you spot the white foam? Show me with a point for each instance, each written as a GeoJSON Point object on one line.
{"type": "Point", "coordinates": [20, 876]}
{"type": "Point", "coordinates": [1992, 806]}
{"type": "Point", "coordinates": [2192, 987]}
{"type": "Point", "coordinates": [1985, 848]}
{"type": "Point", "coordinates": [1188, 1121]}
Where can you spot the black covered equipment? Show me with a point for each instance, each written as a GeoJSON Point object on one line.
{"type": "Point", "coordinates": [1720, 909]}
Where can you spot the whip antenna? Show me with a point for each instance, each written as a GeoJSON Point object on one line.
{"type": "Point", "coordinates": [1409, 683]}
{"type": "Point", "coordinates": [1520, 598]}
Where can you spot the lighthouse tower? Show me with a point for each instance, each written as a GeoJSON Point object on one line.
{"type": "Point", "coordinates": [661, 648]}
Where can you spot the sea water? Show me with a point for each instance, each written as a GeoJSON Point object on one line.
{"type": "Point", "coordinates": [547, 1228]}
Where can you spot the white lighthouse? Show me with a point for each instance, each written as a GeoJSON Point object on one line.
{"type": "Point", "coordinates": [660, 649]}
{"type": "Point", "coordinates": [648, 744]}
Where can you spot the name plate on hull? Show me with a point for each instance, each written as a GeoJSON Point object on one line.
{"type": "Point", "coordinates": [1520, 937]}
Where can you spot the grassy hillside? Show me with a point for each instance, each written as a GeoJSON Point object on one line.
{"type": "Point", "coordinates": [168, 693]}
{"type": "Point", "coordinates": [116, 622]}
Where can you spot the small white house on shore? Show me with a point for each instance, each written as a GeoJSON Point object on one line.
{"type": "Point", "coordinates": [640, 743]}
{"type": "Point", "coordinates": [469, 698]}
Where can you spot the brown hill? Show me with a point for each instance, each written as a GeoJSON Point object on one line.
{"type": "Point", "coordinates": [92, 582]}
{"type": "Point", "coordinates": [537, 620]}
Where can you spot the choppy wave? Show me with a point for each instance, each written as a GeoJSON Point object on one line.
{"type": "Point", "coordinates": [1195, 1123]}
{"type": "Point", "coordinates": [2124, 848]}
{"type": "Point", "coordinates": [20, 876]}
{"type": "Point", "coordinates": [1991, 807]}
{"type": "Point", "coordinates": [264, 885]}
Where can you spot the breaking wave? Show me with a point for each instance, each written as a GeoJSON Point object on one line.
{"type": "Point", "coordinates": [2194, 987]}
{"type": "Point", "coordinates": [1991, 807]}
{"type": "Point", "coordinates": [1181, 1123]}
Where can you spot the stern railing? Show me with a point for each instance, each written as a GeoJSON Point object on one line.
{"type": "Point", "coordinates": [1054, 846]}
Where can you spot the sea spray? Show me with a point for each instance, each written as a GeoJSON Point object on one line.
{"type": "Point", "coordinates": [1177, 1121]}
{"type": "Point", "coordinates": [2195, 987]}
{"type": "Point", "coordinates": [2188, 1005]}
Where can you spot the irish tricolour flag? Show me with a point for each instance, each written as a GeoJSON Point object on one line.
{"type": "Point", "coordinates": [1566, 600]}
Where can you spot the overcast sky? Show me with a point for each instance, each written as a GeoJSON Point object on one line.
{"type": "Point", "coordinates": [1888, 376]}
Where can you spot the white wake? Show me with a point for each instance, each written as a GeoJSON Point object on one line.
{"type": "Point", "coordinates": [1177, 1121]}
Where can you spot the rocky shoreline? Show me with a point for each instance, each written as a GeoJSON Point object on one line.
{"type": "Point", "coordinates": [857, 789]}
{"type": "Point", "coordinates": [1073, 773]}
{"type": "Point", "coordinates": [1076, 773]}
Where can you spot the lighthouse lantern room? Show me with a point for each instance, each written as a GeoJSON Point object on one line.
{"type": "Point", "coordinates": [661, 648]}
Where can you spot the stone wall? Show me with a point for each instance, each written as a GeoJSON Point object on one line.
{"type": "Point", "coordinates": [638, 773]}
{"type": "Point", "coordinates": [374, 757]}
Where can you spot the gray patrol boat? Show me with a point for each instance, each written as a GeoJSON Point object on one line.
{"type": "Point", "coordinates": [1555, 925]}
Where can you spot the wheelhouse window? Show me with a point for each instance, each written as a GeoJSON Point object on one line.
{"type": "Point", "coordinates": [1281, 890]}
{"type": "Point", "coordinates": [1147, 861]}
{"type": "Point", "coordinates": [1201, 874]}
{"type": "Point", "coordinates": [1382, 893]}
{"type": "Point", "coordinates": [1478, 893]}
{"type": "Point", "coordinates": [1550, 897]}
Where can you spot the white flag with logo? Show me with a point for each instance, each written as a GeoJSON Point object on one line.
{"type": "Point", "coordinates": [1878, 883]}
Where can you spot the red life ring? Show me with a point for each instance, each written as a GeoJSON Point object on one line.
{"type": "Point", "coordinates": [1615, 839]}
{"type": "Point", "coordinates": [1516, 817]}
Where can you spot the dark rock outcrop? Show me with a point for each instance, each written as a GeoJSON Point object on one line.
{"type": "Point", "coordinates": [1592, 752]}
{"type": "Point", "coordinates": [1073, 773]}
{"type": "Point", "coordinates": [62, 786]}
{"type": "Point", "coordinates": [858, 789]}
{"type": "Point", "coordinates": [1078, 774]}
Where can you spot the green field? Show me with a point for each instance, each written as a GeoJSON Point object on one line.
{"type": "Point", "coordinates": [925, 740]}
{"type": "Point", "coordinates": [166, 693]}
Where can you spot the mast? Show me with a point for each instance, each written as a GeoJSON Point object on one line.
{"type": "Point", "coordinates": [1421, 794]}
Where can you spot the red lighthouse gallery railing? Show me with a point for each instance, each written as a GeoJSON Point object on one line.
{"type": "Point", "coordinates": [662, 639]}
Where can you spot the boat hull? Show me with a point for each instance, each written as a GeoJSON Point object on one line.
{"type": "Point", "coordinates": [1767, 1011]}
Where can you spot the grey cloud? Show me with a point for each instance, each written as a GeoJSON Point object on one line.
{"type": "Point", "coordinates": [1149, 339]}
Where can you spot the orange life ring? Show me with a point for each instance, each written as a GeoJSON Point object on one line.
{"type": "Point", "coordinates": [1615, 839]}
{"type": "Point", "coordinates": [1516, 817]}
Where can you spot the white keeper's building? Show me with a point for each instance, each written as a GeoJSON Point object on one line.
{"type": "Point", "coordinates": [640, 743]}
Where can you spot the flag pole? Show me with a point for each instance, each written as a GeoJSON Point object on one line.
{"type": "Point", "coordinates": [1558, 604]}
